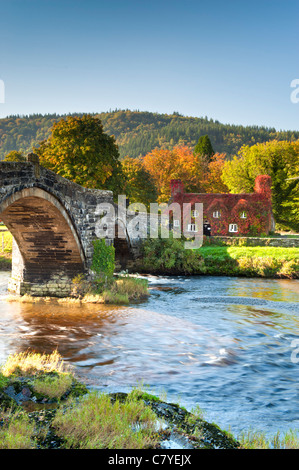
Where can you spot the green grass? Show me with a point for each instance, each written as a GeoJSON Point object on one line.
{"type": "Point", "coordinates": [30, 363]}
{"type": "Point", "coordinates": [17, 432]}
{"type": "Point", "coordinates": [237, 252]}
{"type": "Point", "coordinates": [168, 256]}
{"type": "Point", "coordinates": [95, 422]}
{"type": "Point", "coordinates": [269, 262]}
{"type": "Point", "coordinates": [5, 262]}
{"type": "Point", "coordinates": [5, 241]}
{"type": "Point", "coordinates": [123, 290]}
{"type": "Point", "coordinates": [5, 249]}
{"type": "Point", "coordinates": [53, 385]}
{"type": "Point", "coordinates": [258, 440]}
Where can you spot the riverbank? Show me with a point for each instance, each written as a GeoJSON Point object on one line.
{"type": "Point", "coordinates": [44, 406]}
{"type": "Point", "coordinates": [122, 290]}
{"type": "Point", "coordinates": [5, 262]}
{"type": "Point", "coordinates": [169, 256]}
{"type": "Point", "coordinates": [273, 258]}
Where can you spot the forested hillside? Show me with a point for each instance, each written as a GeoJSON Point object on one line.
{"type": "Point", "coordinates": [138, 132]}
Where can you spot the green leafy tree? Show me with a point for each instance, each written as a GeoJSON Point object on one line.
{"type": "Point", "coordinates": [280, 160]}
{"type": "Point", "coordinates": [140, 186]}
{"type": "Point", "coordinates": [79, 150]}
{"type": "Point", "coordinates": [204, 148]}
{"type": "Point", "coordinates": [138, 133]}
{"type": "Point", "coordinates": [15, 156]}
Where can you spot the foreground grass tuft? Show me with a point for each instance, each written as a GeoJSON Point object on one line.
{"type": "Point", "coordinates": [27, 363]}
{"type": "Point", "coordinates": [16, 432]}
{"type": "Point", "coordinates": [97, 423]}
{"type": "Point", "coordinates": [257, 440]}
{"type": "Point", "coordinates": [53, 386]}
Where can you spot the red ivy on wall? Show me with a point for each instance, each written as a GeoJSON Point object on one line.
{"type": "Point", "coordinates": [251, 213]}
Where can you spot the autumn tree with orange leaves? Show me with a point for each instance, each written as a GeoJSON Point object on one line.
{"type": "Point", "coordinates": [180, 162]}
{"type": "Point", "coordinates": [197, 174]}
{"type": "Point", "coordinates": [212, 178]}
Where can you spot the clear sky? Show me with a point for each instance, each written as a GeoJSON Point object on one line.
{"type": "Point", "coordinates": [230, 60]}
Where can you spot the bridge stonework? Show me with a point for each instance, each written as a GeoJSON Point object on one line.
{"type": "Point", "coordinates": [53, 223]}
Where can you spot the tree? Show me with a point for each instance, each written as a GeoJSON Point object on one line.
{"type": "Point", "coordinates": [80, 151]}
{"type": "Point", "coordinates": [139, 186]}
{"type": "Point", "coordinates": [212, 179]}
{"type": "Point", "coordinates": [164, 165]}
{"type": "Point", "coordinates": [204, 148]}
{"type": "Point", "coordinates": [280, 160]}
{"type": "Point", "coordinates": [15, 156]}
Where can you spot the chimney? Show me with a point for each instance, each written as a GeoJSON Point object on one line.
{"type": "Point", "coordinates": [176, 188]}
{"type": "Point", "coordinates": [263, 185]}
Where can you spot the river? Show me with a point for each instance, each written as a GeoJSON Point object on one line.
{"type": "Point", "coordinates": [225, 344]}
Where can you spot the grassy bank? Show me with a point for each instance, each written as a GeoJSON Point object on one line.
{"type": "Point", "coordinates": [87, 419]}
{"type": "Point", "coordinates": [122, 291]}
{"type": "Point", "coordinates": [44, 406]}
{"type": "Point", "coordinates": [5, 249]}
{"type": "Point", "coordinates": [168, 256]}
{"type": "Point", "coordinates": [80, 419]}
{"type": "Point", "coordinates": [270, 262]}
{"type": "Point", "coordinates": [118, 290]}
{"type": "Point", "coordinates": [5, 240]}
{"type": "Point", "coordinates": [105, 286]}
{"type": "Point", "coordinates": [5, 262]}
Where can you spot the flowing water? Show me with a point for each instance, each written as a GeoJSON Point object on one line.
{"type": "Point", "coordinates": [225, 344]}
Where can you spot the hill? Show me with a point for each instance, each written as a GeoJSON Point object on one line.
{"type": "Point", "coordinates": [139, 132]}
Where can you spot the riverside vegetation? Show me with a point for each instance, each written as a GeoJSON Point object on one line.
{"type": "Point", "coordinates": [105, 287]}
{"type": "Point", "coordinates": [168, 256]}
{"type": "Point", "coordinates": [44, 406]}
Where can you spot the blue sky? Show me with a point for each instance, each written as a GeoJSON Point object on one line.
{"type": "Point", "coordinates": [229, 60]}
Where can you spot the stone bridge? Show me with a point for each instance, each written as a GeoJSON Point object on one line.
{"type": "Point", "coordinates": [54, 222]}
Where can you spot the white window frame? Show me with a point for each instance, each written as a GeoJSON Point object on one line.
{"type": "Point", "coordinates": [176, 223]}
{"type": "Point", "coordinates": [192, 228]}
{"type": "Point", "coordinates": [216, 214]}
{"type": "Point", "coordinates": [243, 215]}
{"type": "Point", "coordinates": [194, 213]}
{"type": "Point", "coordinates": [233, 228]}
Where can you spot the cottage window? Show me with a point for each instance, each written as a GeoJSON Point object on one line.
{"type": "Point", "coordinates": [192, 228]}
{"type": "Point", "coordinates": [243, 215]}
{"type": "Point", "coordinates": [194, 213]}
{"type": "Point", "coordinates": [216, 214]}
{"type": "Point", "coordinates": [233, 228]}
{"type": "Point", "coordinates": [176, 223]}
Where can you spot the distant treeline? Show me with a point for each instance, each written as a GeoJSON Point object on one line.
{"type": "Point", "coordinates": [138, 132]}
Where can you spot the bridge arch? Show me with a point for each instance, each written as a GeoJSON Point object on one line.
{"type": "Point", "coordinates": [122, 244]}
{"type": "Point", "coordinates": [47, 251]}
{"type": "Point", "coordinates": [54, 223]}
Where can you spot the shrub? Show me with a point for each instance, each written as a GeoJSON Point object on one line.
{"type": "Point", "coordinates": [168, 255]}
{"type": "Point", "coordinates": [103, 263]}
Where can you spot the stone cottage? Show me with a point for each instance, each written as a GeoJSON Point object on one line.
{"type": "Point", "coordinates": [247, 214]}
